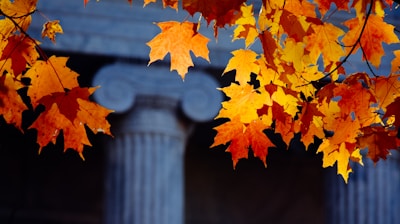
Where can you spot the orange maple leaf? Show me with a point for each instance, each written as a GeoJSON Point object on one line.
{"type": "Point", "coordinates": [301, 8]}
{"type": "Point", "coordinates": [309, 123]}
{"type": "Point", "coordinates": [50, 29]}
{"type": "Point", "coordinates": [386, 89]}
{"type": "Point", "coordinates": [244, 62]}
{"type": "Point", "coordinates": [19, 51]}
{"type": "Point", "coordinates": [258, 140]}
{"type": "Point", "coordinates": [375, 33]}
{"type": "Point", "coordinates": [324, 41]}
{"type": "Point", "coordinates": [341, 147]}
{"type": "Point", "coordinates": [269, 46]}
{"type": "Point", "coordinates": [178, 39]}
{"type": "Point", "coordinates": [70, 112]}
{"type": "Point", "coordinates": [50, 76]}
{"type": "Point", "coordinates": [355, 98]}
{"type": "Point", "coordinates": [378, 141]}
{"type": "Point", "coordinates": [241, 137]}
{"type": "Point", "coordinates": [233, 131]}
{"type": "Point", "coordinates": [11, 104]}
{"type": "Point", "coordinates": [295, 27]}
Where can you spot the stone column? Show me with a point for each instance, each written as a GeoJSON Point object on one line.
{"type": "Point", "coordinates": [372, 195]}
{"type": "Point", "coordinates": [154, 113]}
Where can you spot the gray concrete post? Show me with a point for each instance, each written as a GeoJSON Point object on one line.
{"type": "Point", "coordinates": [145, 166]}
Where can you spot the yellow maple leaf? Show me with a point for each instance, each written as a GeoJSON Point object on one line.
{"type": "Point", "coordinates": [19, 10]}
{"type": "Point", "coordinates": [336, 154]}
{"type": "Point", "coordinates": [287, 101]}
{"type": "Point", "coordinates": [178, 39]}
{"type": "Point", "coordinates": [300, 81]}
{"type": "Point", "coordinates": [244, 102]}
{"type": "Point", "coordinates": [244, 62]}
{"type": "Point", "coordinates": [50, 29]}
{"type": "Point", "coordinates": [293, 53]}
{"type": "Point", "coordinates": [246, 26]}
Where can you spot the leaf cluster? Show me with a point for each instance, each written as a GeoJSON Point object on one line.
{"type": "Point", "coordinates": [52, 91]}
{"type": "Point", "coordinates": [301, 85]}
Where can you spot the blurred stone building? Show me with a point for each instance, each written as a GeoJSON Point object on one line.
{"type": "Point", "coordinates": [159, 168]}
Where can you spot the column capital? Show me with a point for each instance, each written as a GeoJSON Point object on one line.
{"type": "Point", "coordinates": [123, 85]}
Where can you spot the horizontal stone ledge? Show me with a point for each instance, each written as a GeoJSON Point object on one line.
{"type": "Point", "coordinates": [115, 28]}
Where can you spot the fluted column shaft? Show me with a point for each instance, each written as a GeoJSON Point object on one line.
{"type": "Point", "coordinates": [372, 195]}
{"type": "Point", "coordinates": [145, 166]}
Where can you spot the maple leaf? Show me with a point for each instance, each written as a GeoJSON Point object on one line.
{"type": "Point", "coordinates": [246, 25]}
{"type": "Point", "coordinates": [324, 41]}
{"type": "Point", "coordinates": [19, 11]}
{"type": "Point", "coordinates": [244, 62]}
{"type": "Point", "coordinates": [309, 123]}
{"type": "Point", "coordinates": [294, 26]}
{"type": "Point", "coordinates": [48, 77]}
{"type": "Point", "coordinates": [341, 147]}
{"type": "Point", "coordinates": [225, 14]}
{"type": "Point", "coordinates": [355, 98]}
{"type": "Point", "coordinates": [69, 112]}
{"type": "Point", "coordinates": [301, 8]}
{"type": "Point", "coordinates": [386, 89]}
{"type": "Point", "coordinates": [375, 33]}
{"type": "Point", "coordinates": [269, 45]}
{"type": "Point", "coordinates": [244, 102]}
{"type": "Point", "coordinates": [286, 99]}
{"type": "Point", "coordinates": [379, 141]}
{"type": "Point", "coordinates": [258, 140]}
{"type": "Point", "coordinates": [300, 81]}
{"type": "Point", "coordinates": [396, 61]}
{"type": "Point", "coordinates": [242, 137]}
{"type": "Point", "coordinates": [178, 39]}
{"type": "Point", "coordinates": [50, 29]}
{"type": "Point", "coordinates": [19, 51]}
{"type": "Point", "coordinates": [337, 154]}
{"type": "Point", "coordinates": [293, 53]}
{"type": "Point", "coordinates": [233, 131]}
{"type": "Point", "coordinates": [11, 104]}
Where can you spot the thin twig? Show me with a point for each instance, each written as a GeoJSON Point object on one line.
{"type": "Point", "coordinates": [366, 60]}
{"type": "Point", "coordinates": [354, 45]}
